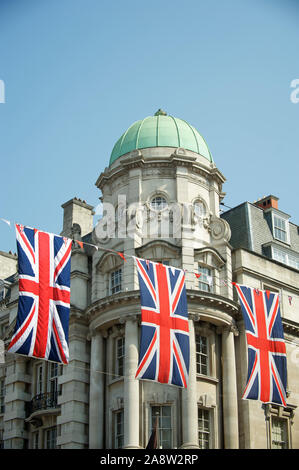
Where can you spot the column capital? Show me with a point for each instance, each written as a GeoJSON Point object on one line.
{"type": "Point", "coordinates": [132, 317]}
{"type": "Point", "coordinates": [92, 333]}
{"type": "Point", "coordinates": [228, 328]}
{"type": "Point", "coordinates": [117, 330]}
{"type": "Point", "coordinates": [194, 317]}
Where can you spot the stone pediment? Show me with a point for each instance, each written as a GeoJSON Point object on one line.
{"type": "Point", "coordinates": [109, 262]}
{"type": "Point", "coordinates": [158, 250]}
{"type": "Point", "coordinates": [209, 256]}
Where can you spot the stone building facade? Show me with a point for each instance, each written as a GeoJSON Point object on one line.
{"type": "Point", "coordinates": [161, 196]}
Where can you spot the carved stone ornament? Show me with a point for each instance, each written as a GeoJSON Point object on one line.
{"type": "Point", "coordinates": [219, 229]}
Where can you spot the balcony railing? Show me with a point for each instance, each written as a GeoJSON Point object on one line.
{"type": "Point", "coordinates": [42, 401]}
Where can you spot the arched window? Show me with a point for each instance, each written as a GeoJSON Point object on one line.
{"type": "Point", "coordinates": [200, 209]}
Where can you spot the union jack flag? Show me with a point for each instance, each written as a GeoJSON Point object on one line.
{"type": "Point", "coordinates": [44, 295]}
{"type": "Point", "coordinates": [267, 363]}
{"type": "Point", "coordinates": [164, 345]}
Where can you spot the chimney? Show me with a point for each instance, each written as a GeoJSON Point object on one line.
{"type": "Point", "coordinates": [77, 212]}
{"type": "Point", "coordinates": [267, 202]}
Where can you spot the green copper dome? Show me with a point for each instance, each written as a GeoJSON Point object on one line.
{"type": "Point", "coordinates": [160, 130]}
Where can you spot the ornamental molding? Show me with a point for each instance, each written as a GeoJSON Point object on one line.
{"type": "Point", "coordinates": [290, 327]}
{"type": "Point", "coordinates": [158, 249]}
{"type": "Point", "coordinates": [219, 229]}
{"type": "Point", "coordinates": [209, 256]}
{"type": "Point", "coordinates": [205, 306]}
{"type": "Point", "coordinates": [136, 159]}
{"type": "Point", "coordinates": [108, 262]}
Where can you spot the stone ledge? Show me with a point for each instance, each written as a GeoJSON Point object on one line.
{"type": "Point", "coordinates": [206, 298]}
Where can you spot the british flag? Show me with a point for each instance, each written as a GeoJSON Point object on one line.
{"type": "Point", "coordinates": [44, 295]}
{"type": "Point", "coordinates": [267, 363]}
{"type": "Point", "coordinates": [164, 344]}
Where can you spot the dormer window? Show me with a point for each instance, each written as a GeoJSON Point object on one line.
{"type": "Point", "coordinates": [280, 228]}
{"type": "Point", "coordinates": [285, 257]}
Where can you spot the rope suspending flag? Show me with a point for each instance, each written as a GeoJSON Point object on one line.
{"type": "Point", "coordinates": [164, 345]}
{"type": "Point", "coordinates": [266, 350]}
{"type": "Point", "coordinates": [44, 295]}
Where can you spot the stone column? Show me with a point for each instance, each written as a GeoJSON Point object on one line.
{"type": "Point", "coordinates": [97, 383]}
{"type": "Point", "coordinates": [189, 399]}
{"type": "Point", "coordinates": [230, 398]}
{"type": "Point", "coordinates": [131, 386]}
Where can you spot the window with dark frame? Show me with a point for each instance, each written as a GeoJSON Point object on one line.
{"type": "Point", "coordinates": [118, 429]}
{"type": "Point", "coordinates": [163, 413]}
{"type": "Point", "coordinates": [279, 433]}
{"type": "Point", "coordinates": [203, 428]}
{"type": "Point", "coordinates": [201, 354]}
{"type": "Point", "coordinates": [116, 281]}
{"type": "Point", "coordinates": [120, 356]}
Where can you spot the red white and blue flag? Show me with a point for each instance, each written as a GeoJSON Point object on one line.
{"type": "Point", "coordinates": [164, 345]}
{"type": "Point", "coordinates": [267, 362]}
{"type": "Point", "coordinates": [44, 295]}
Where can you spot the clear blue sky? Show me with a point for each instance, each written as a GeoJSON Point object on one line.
{"type": "Point", "coordinates": [77, 73]}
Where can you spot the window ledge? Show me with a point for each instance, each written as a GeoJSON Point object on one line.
{"type": "Point", "coordinates": [207, 378]}
{"type": "Point", "coordinates": [114, 380]}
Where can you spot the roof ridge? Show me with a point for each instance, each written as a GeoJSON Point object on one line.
{"type": "Point", "coordinates": [177, 129]}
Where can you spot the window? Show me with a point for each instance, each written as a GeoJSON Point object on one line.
{"type": "Point", "coordinates": [200, 209]}
{"type": "Point", "coordinates": [120, 356]}
{"type": "Point", "coordinates": [50, 438]}
{"type": "Point", "coordinates": [203, 428]}
{"type": "Point", "coordinates": [2, 290]}
{"type": "Point", "coordinates": [158, 203]}
{"type": "Point", "coordinates": [39, 379]}
{"type": "Point", "coordinates": [35, 436]}
{"type": "Point", "coordinates": [285, 257]}
{"type": "Point", "coordinates": [53, 374]}
{"type": "Point", "coordinates": [119, 429]}
{"type": "Point", "coordinates": [115, 281]}
{"type": "Point", "coordinates": [279, 433]}
{"type": "Point", "coordinates": [293, 261]}
{"type": "Point", "coordinates": [161, 261]}
{"type": "Point", "coordinates": [280, 228]}
{"type": "Point", "coordinates": [3, 328]}
{"type": "Point", "coordinates": [120, 221]}
{"type": "Point", "coordinates": [206, 279]}
{"type": "Point", "coordinates": [201, 354]}
{"type": "Point", "coordinates": [2, 395]}
{"type": "Point", "coordinates": [165, 430]}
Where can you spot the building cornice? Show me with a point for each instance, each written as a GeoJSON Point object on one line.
{"type": "Point", "coordinates": [213, 304]}
{"type": "Point", "coordinates": [242, 269]}
{"type": "Point", "coordinates": [290, 327]}
{"type": "Point", "coordinates": [137, 160]}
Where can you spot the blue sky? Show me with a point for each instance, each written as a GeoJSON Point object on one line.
{"type": "Point", "coordinates": [77, 73]}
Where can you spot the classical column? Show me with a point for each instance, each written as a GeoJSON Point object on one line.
{"type": "Point", "coordinates": [131, 386]}
{"type": "Point", "coordinates": [230, 398]}
{"type": "Point", "coordinates": [189, 399]}
{"type": "Point", "coordinates": [96, 402]}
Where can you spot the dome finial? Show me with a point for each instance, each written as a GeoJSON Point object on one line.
{"type": "Point", "coordinates": [160, 112]}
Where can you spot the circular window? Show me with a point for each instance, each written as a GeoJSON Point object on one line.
{"type": "Point", "coordinates": [158, 203]}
